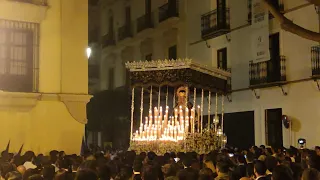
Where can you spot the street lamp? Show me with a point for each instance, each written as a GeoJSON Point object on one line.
{"type": "Point", "coordinates": [89, 51]}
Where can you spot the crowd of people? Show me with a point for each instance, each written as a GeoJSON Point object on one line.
{"type": "Point", "coordinates": [258, 163]}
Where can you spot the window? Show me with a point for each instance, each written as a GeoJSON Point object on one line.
{"type": "Point", "coordinates": [222, 59]}
{"type": "Point", "coordinates": [111, 79]}
{"type": "Point", "coordinates": [249, 11]}
{"type": "Point", "coordinates": [17, 58]}
{"type": "Point", "coordinates": [172, 52]}
{"type": "Point", "coordinates": [149, 57]}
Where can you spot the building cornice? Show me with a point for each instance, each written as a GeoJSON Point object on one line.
{"type": "Point", "coordinates": [21, 11]}
{"type": "Point", "coordinates": [24, 102]}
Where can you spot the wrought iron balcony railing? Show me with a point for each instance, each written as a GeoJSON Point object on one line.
{"type": "Point", "coordinates": [108, 40]}
{"type": "Point", "coordinates": [124, 32]}
{"type": "Point", "coordinates": [214, 24]}
{"type": "Point", "coordinates": [169, 10]}
{"type": "Point", "coordinates": [278, 4]}
{"type": "Point", "coordinates": [267, 72]}
{"type": "Point", "coordinates": [36, 2]}
{"type": "Point", "coordinates": [145, 22]}
{"type": "Point", "coordinates": [315, 60]}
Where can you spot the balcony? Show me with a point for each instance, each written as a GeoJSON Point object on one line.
{"type": "Point", "coordinates": [145, 22]}
{"type": "Point", "coordinates": [108, 40]}
{"type": "Point", "coordinates": [215, 23]}
{"type": "Point", "coordinates": [315, 61]}
{"type": "Point", "coordinates": [267, 73]}
{"type": "Point", "coordinates": [124, 32]}
{"type": "Point", "coordinates": [169, 10]}
{"type": "Point", "coordinates": [278, 4]}
{"type": "Point", "coordinates": [35, 2]}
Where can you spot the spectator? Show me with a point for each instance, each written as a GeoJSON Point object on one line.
{"type": "Point", "coordinates": [206, 174]}
{"type": "Point", "coordinates": [310, 174]}
{"type": "Point", "coordinates": [282, 172]}
{"type": "Point", "coordinates": [86, 174]}
{"type": "Point", "coordinates": [21, 169]}
{"type": "Point", "coordinates": [260, 170]}
{"type": "Point", "coordinates": [222, 171]}
{"type": "Point", "coordinates": [13, 175]}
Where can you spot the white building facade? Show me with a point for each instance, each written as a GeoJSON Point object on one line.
{"type": "Point", "coordinates": [217, 33]}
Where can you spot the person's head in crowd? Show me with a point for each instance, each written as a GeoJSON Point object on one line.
{"type": "Point", "coordinates": [5, 167]}
{"type": "Point", "coordinates": [104, 172]}
{"type": "Point", "coordinates": [206, 174]}
{"type": "Point", "coordinates": [21, 169]}
{"type": "Point", "coordinates": [149, 173]}
{"type": "Point", "coordinates": [282, 172]}
{"type": "Point", "coordinates": [35, 177]}
{"type": "Point", "coordinates": [29, 156]}
{"type": "Point", "coordinates": [53, 155]}
{"type": "Point", "coordinates": [262, 147]}
{"type": "Point", "coordinates": [187, 174]}
{"type": "Point", "coordinates": [317, 149]}
{"type": "Point", "coordinates": [86, 174]}
{"type": "Point", "coordinates": [62, 175]}
{"type": "Point", "coordinates": [250, 157]}
{"type": "Point", "coordinates": [28, 173]}
{"type": "Point", "coordinates": [271, 162]}
{"type": "Point", "coordinates": [310, 174]}
{"type": "Point", "coordinates": [13, 175]}
{"type": "Point", "coordinates": [222, 168]}
{"type": "Point", "coordinates": [169, 170]}
{"type": "Point", "coordinates": [250, 172]}
{"type": "Point", "coordinates": [241, 160]}
{"type": "Point", "coordinates": [259, 168]}
{"type": "Point", "coordinates": [89, 164]}
{"type": "Point", "coordinates": [48, 172]}
{"type": "Point", "coordinates": [268, 151]}
{"type": "Point", "coordinates": [313, 161]}
{"type": "Point", "coordinates": [208, 163]}
{"type": "Point", "coordinates": [187, 162]}
{"type": "Point", "coordinates": [75, 165]}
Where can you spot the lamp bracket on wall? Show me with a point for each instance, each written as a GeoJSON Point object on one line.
{"type": "Point", "coordinates": [228, 38]}
{"type": "Point", "coordinates": [318, 84]}
{"type": "Point", "coordinates": [255, 93]}
{"type": "Point", "coordinates": [207, 44]}
{"type": "Point", "coordinates": [283, 91]}
{"type": "Point", "coordinates": [229, 97]}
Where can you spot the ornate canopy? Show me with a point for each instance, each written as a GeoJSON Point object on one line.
{"type": "Point", "coordinates": [175, 73]}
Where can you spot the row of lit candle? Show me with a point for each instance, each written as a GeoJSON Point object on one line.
{"type": "Point", "coordinates": [161, 126]}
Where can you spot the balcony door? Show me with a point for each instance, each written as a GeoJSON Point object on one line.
{"type": "Point", "coordinates": [221, 12]}
{"type": "Point", "coordinates": [148, 11]}
{"type": "Point", "coordinates": [172, 7]}
{"type": "Point", "coordinates": [128, 15]}
{"type": "Point", "coordinates": [274, 63]}
{"type": "Point", "coordinates": [111, 26]}
{"type": "Point", "coordinates": [222, 59]}
{"type": "Point", "coordinates": [273, 121]}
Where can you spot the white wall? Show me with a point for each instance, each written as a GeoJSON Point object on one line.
{"type": "Point", "coordinates": [302, 101]}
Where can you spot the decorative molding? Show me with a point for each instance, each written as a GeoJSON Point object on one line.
{"type": "Point", "coordinates": [24, 102]}
{"type": "Point", "coordinates": [76, 105]}
{"type": "Point", "coordinates": [18, 101]}
{"type": "Point", "coordinates": [176, 64]}
{"type": "Point", "coordinates": [21, 11]}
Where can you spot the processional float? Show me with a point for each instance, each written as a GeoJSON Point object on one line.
{"type": "Point", "coordinates": [188, 88]}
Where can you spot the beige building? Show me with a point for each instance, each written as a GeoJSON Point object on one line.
{"type": "Point", "coordinates": [43, 74]}
{"type": "Point", "coordinates": [218, 33]}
